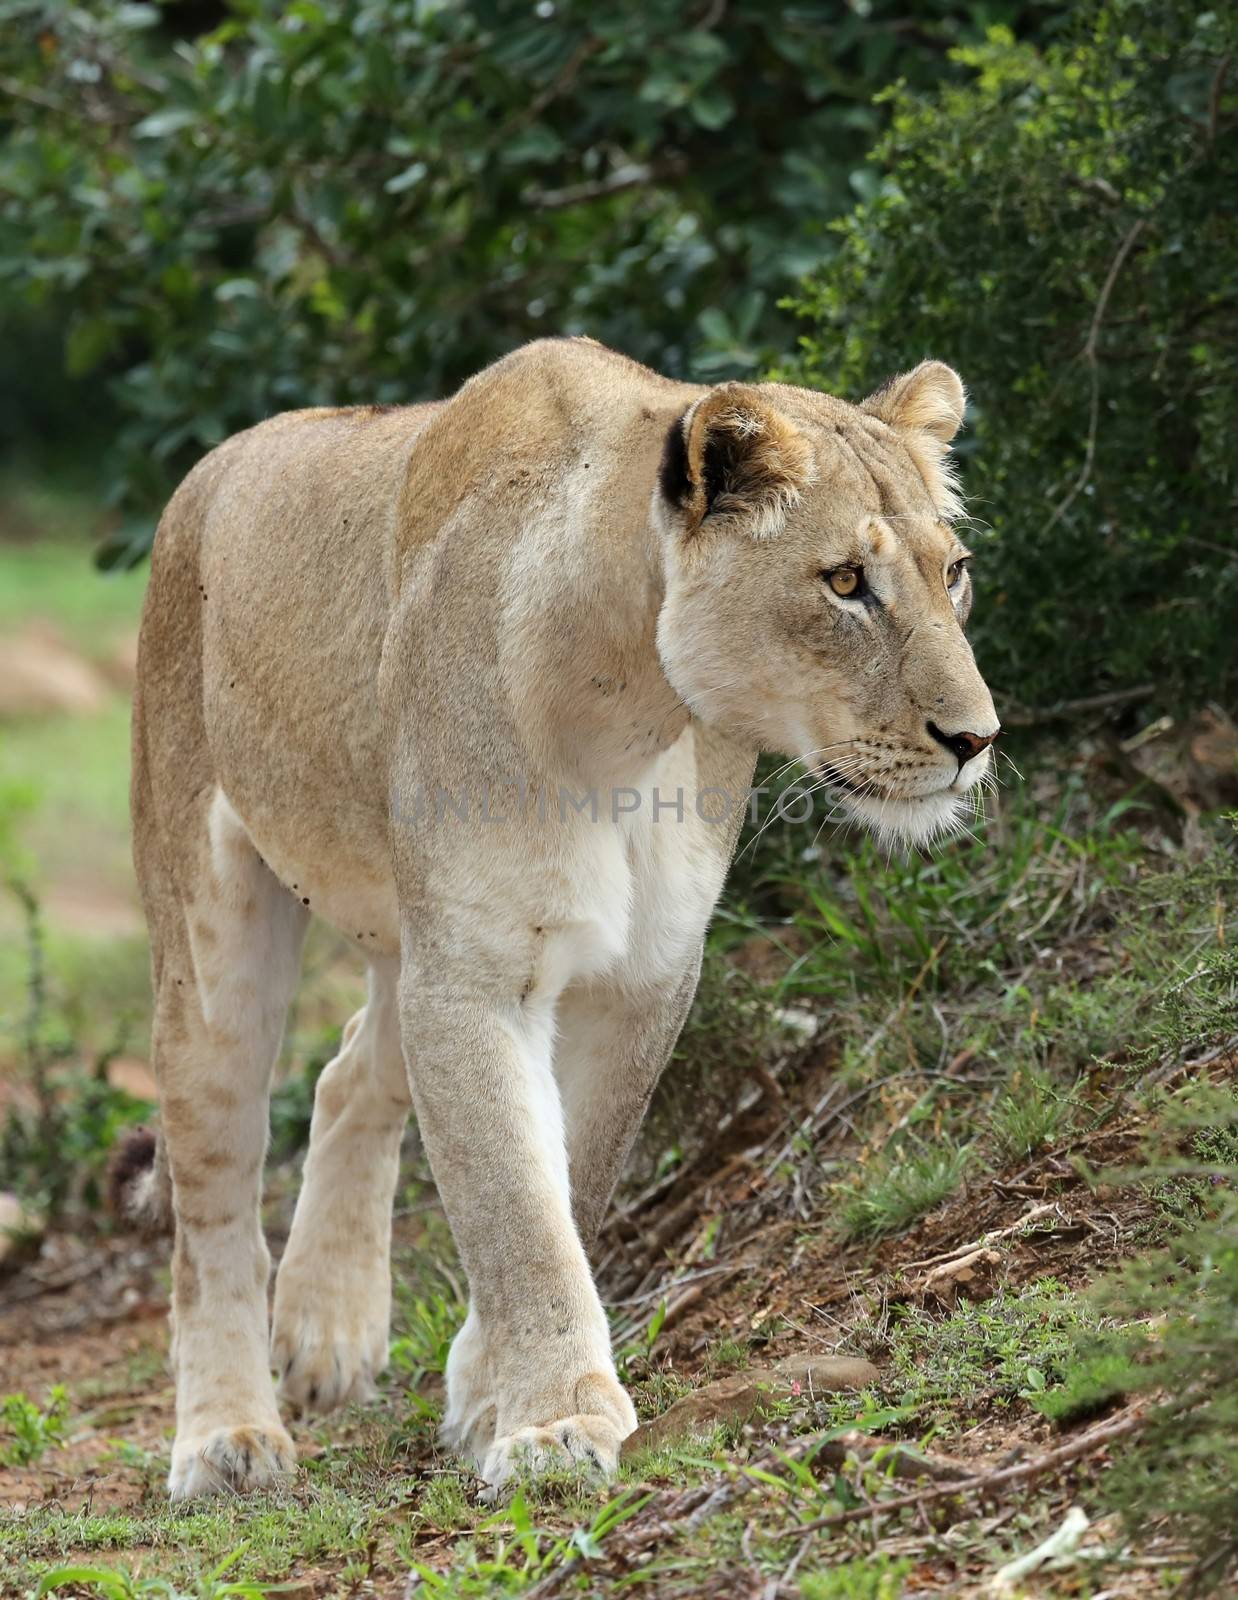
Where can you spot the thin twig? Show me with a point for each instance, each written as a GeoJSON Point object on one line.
{"type": "Point", "coordinates": [35, 97]}
{"type": "Point", "coordinates": [1128, 1422]}
{"type": "Point", "coordinates": [989, 1238]}
{"type": "Point", "coordinates": [1089, 356]}
{"type": "Point", "coordinates": [632, 176]}
{"type": "Point", "coordinates": [1031, 715]}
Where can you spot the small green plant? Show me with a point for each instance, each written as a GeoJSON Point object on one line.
{"type": "Point", "coordinates": [116, 1585]}
{"type": "Point", "coordinates": [632, 1357]}
{"type": "Point", "coordinates": [54, 1150]}
{"type": "Point", "coordinates": [900, 1186]}
{"type": "Point", "coordinates": [1033, 1112]}
{"type": "Point", "coordinates": [28, 1432]}
{"type": "Point", "coordinates": [726, 1355]}
{"type": "Point", "coordinates": [427, 1322]}
{"type": "Point", "coordinates": [443, 1502]}
{"type": "Point", "coordinates": [1100, 1375]}
{"type": "Point", "coordinates": [510, 1552]}
{"type": "Point", "coordinates": [1017, 1343]}
{"type": "Point", "coordinates": [875, 1578]}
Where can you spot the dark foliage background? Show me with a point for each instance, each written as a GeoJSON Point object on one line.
{"type": "Point", "coordinates": [211, 213]}
{"type": "Point", "coordinates": [331, 201]}
{"type": "Point", "coordinates": [1063, 225]}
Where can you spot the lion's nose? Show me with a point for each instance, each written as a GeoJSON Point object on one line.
{"type": "Point", "coordinates": [963, 746]}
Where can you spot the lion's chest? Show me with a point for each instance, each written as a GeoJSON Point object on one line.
{"type": "Point", "coordinates": [648, 861]}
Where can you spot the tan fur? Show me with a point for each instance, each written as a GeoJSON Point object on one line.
{"type": "Point", "coordinates": [573, 578]}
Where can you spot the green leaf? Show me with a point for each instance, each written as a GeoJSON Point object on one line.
{"type": "Point", "coordinates": [136, 16]}
{"type": "Point", "coordinates": [162, 123]}
{"type": "Point", "coordinates": [408, 179]}
{"type": "Point", "coordinates": [112, 1583]}
{"type": "Point", "coordinates": [537, 144]}
{"type": "Point", "coordinates": [90, 340]}
{"type": "Point", "coordinates": [713, 108]}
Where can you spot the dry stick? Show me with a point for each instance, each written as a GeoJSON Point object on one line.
{"type": "Point", "coordinates": [1128, 1422]}
{"type": "Point", "coordinates": [691, 1507]}
{"type": "Point", "coordinates": [1089, 355]}
{"type": "Point", "coordinates": [902, 1461]}
{"type": "Point", "coordinates": [1068, 708]}
{"type": "Point", "coordinates": [812, 1125]}
{"type": "Point", "coordinates": [989, 1238]}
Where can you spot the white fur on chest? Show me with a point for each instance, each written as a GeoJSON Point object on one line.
{"type": "Point", "coordinates": [647, 873]}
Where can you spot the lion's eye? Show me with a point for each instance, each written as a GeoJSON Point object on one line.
{"type": "Point", "coordinates": [848, 582]}
{"type": "Point", "coordinates": [954, 573]}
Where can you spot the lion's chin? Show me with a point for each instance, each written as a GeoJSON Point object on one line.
{"type": "Point", "coordinates": [918, 820]}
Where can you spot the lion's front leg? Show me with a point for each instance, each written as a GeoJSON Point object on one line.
{"type": "Point", "coordinates": [531, 1374]}
{"type": "Point", "coordinates": [612, 1046]}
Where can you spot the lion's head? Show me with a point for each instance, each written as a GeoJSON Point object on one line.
{"type": "Point", "coordinates": [817, 591]}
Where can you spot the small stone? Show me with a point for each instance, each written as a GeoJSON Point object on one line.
{"type": "Point", "coordinates": [742, 1396]}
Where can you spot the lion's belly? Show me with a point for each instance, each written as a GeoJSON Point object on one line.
{"type": "Point", "coordinates": [336, 868]}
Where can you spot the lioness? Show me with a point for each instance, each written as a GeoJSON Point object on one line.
{"type": "Point", "coordinates": [407, 669]}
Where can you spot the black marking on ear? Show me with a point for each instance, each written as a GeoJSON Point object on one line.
{"type": "Point", "coordinates": [716, 465]}
{"type": "Point", "coordinates": [673, 479]}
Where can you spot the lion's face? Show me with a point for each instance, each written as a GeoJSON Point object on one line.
{"type": "Point", "coordinates": [817, 592]}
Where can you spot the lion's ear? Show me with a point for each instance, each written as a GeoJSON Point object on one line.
{"type": "Point", "coordinates": [732, 455]}
{"type": "Point", "coordinates": [928, 399]}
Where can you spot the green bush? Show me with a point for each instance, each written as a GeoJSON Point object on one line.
{"type": "Point", "coordinates": [1062, 228]}
{"type": "Point", "coordinates": [330, 201]}
{"type": "Point", "coordinates": [29, 1429]}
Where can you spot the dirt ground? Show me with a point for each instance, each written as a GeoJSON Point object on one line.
{"type": "Point", "coordinates": [90, 1313]}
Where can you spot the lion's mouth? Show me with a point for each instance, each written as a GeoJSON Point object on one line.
{"type": "Point", "coordinates": [874, 789]}
{"type": "Point", "coordinates": [863, 788]}
{"type": "Point", "coordinates": [909, 819]}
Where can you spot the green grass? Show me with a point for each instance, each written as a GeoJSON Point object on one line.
{"type": "Point", "coordinates": [1018, 1343]}
{"type": "Point", "coordinates": [877, 1579]}
{"type": "Point", "coordinates": [1032, 1112]}
{"type": "Point", "coordinates": [64, 786]}
{"type": "Point", "coordinates": [54, 579]}
{"type": "Point", "coordinates": [76, 769]}
{"type": "Point", "coordinates": [900, 1186]}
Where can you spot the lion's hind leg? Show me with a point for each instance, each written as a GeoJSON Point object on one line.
{"type": "Point", "coordinates": [226, 939]}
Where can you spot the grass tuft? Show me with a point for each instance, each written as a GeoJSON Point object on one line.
{"type": "Point", "coordinates": [875, 1578]}
{"type": "Point", "coordinates": [901, 1186]}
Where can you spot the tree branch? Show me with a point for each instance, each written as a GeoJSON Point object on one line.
{"type": "Point", "coordinates": [631, 176]}
{"type": "Point", "coordinates": [1089, 355]}
{"type": "Point", "coordinates": [1030, 716]}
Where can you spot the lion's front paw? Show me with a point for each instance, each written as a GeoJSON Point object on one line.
{"type": "Point", "coordinates": [231, 1461]}
{"type": "Point", "coordinates": [588, 1442]}
{"type": "Point", "coordinates": [329, 1355]}
{"type": "Point", "coordinates": [469, 1420]}
{"type": "Point", "coordinates": [595, 1420]}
